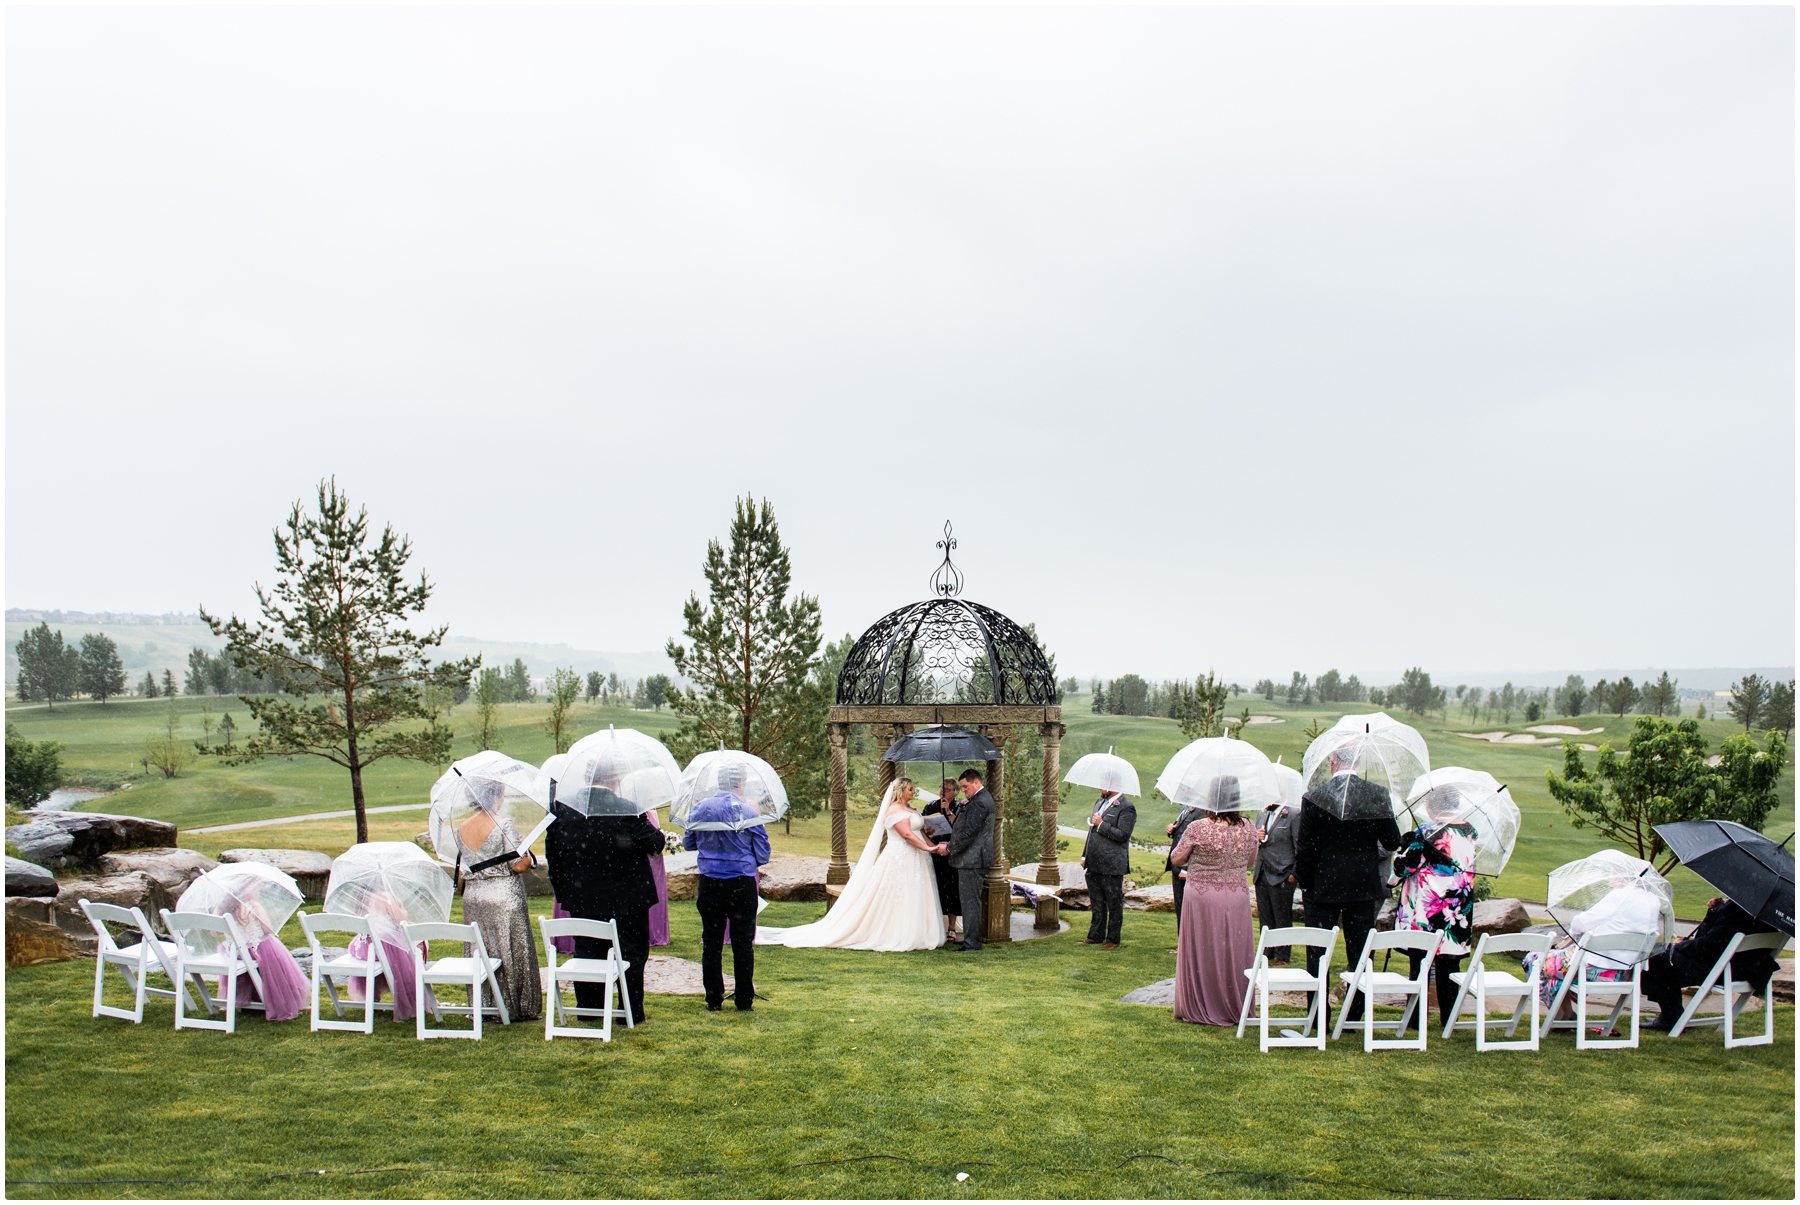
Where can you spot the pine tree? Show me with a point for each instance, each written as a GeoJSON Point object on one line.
{"type": "Point", "coordinates": [148, 688]}
{"type": "Point", "coordinates": [170, 690]}
{"type": "Point", "coordinates": [749, 651]}
{"type": "Point", "coordinates": [334, 634]}
{"type": "Point", "coordinates": [1748, 697]}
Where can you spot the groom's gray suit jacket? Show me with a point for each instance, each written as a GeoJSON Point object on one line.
{"type": "Point", "coordinates": [972, 839]}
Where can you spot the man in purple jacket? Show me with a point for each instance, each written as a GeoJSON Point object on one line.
{"type": "Point", "coordinates": [727, 864]}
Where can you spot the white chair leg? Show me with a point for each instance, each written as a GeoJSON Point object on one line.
{"type": "Point", "coordinates": [606, 1022]}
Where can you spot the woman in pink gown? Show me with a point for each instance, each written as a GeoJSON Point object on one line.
{"type": "Point", "coordinates": [386, 919]}
{"type": "Point", "coordinates": [1216, 941]}
{"type": "Point", "coordinates": [284, 988]}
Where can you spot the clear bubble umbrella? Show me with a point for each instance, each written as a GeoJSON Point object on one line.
{"type": "Point", "coordinates": [1378, 750]}
{"type": "Point", "coordinates": [1104, 772]}
{"type": "Point", "coordinates": [1475, 798]}
{"type": "Point", "coordinates": [1222, 775]}
{"type": "Point", "coordinates": [392, 883]}
{"type": "Point", "coordinates": [753, 793]}
{"type": "Point", "coordinates": [502, 787]}
{"type": "Point", "coordinates": [617, 772]}
{"type": "Point", "coordinates": [256, 894]}
{"type": "Point", "coordinates": [1579, 885]}
{"type": "Point", "coordinates": [1292, 785]}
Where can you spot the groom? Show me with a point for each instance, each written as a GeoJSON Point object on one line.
{"type": "Point", "coordinates": [971, 853]}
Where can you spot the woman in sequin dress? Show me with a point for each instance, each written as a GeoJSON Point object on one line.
{"type": "Point", "coordinates": [1216, 941]}
{"type": "Point", "coordinates": [494, 899]}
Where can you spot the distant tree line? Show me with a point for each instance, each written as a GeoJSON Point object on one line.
{"type": "Point", "coordinates": [1130, 694]}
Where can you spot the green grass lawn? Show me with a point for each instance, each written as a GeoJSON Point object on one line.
{"type": "Point", "coordinates": [873, 1075]}
{"type": "Point", "coordinates": [106, 742]}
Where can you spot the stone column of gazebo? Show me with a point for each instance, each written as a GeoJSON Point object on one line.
{"type": "Point", "coordinates": [991, 676]}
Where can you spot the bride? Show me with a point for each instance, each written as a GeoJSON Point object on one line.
{"type": "Point", "coordinates": [891, 900]}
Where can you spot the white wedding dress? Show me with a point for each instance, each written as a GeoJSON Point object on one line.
{"type": "Point", "coordinates": [891, 900]}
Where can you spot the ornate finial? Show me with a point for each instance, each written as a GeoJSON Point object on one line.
{"type": "Point", "coordinates": [947, 582]}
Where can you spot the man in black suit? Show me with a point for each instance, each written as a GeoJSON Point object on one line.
{"type": "Point", "coordinates": [1687, 962]}
{"type": "Point", "coordinates": [1183, 818]}
{"type": "Point", "coordinates": [1275, 873]}
{"type": "Point", "coordinates": [1338, 862]}
{"type": "Point", "coordinates": [971, 852]}
{"type": "Point", "coordinates": [1107, 859]}
{"type": "Point", "coordinates": [600, 870]}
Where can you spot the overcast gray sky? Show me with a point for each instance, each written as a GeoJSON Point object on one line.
{"type": "Point", "coordinates": [1254, 339]}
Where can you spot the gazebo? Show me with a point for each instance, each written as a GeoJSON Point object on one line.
{"type": "Point", "coordinates": [950, 661]}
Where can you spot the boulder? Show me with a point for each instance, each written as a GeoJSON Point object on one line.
{"type": "Point", "coordinates": [61, 839]}
{"type": "Point", "coordinates": [793, 878]}
{"type": "Point", "coordinates": [1390, 911]}
{"type": "Point", "coordinates": [131, 889]}
{"type": "Point", "coordinates": [537, 879]}
{"type": "Point", "coordinates": [309, 868]}
{"type": "Point", "coordinates": [28, 878]}
{"type": "Point", "coordinates": [173, 868]}
{"type": "Point", "coordinates": [682, 871]}
{"type": "Point", "coordinates": [1499, 916]}
{"type": "Point", "coordinates": [32, 934]}
{"type": "Point", "coordinates": [1160, 898]}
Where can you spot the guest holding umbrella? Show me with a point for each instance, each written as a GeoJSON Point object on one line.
{"type": "Point", "coordinates": [1436, 863]}
{"type": "Point", "coordinates": [1216, 942]}
{"type": "Point", "coordinates": [1176, 830]}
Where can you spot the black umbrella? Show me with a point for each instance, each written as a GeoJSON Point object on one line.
{"type": "Point", "coordinates": [1754, 872]}
{"type": "Point", "coordinates": [942, 743]}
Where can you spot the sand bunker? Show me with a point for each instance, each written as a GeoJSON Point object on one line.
{"type": "Point", "coordinates": [1267, 719]}
{"type": "Point", "coordinates": [1564, 729]}
{"type": "Point", "coordinates": [1510, 738]}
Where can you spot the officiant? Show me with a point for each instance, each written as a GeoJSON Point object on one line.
{"type": "Point", "coordinates": [949, 893]}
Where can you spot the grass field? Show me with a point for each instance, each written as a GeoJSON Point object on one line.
{"type": "Point", "coordinates": [105, 744]}
{"type": "Point", "coordinates": [860, 1075]}
{"type": "Point", "coordinates": [873, 1075]}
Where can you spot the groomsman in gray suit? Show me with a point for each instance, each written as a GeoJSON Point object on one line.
{"type": "Point", "coordinates": [1275, 873]}
{"type": "Point", "coordinates": [971, 852]}
{"type": "Point", "coordinates": [1107, 859]}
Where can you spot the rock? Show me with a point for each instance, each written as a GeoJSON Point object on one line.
{"type": "Point", "coordinates": [173, 868]}
{"type": "Point", "coordinates": [32, 934]}
{"type": "Point", "coordinates": [1500, 916]}
{"type": "Point", "coordinates": [28, 878]}
{"type": "Point", "coordinates": [1390, 909]}
{"type": "Point", "coordinates": [61, 839]}
{"type": "Point", "coordinates": [683, 874]}
{"type": "Point", "coordinates": [309, 868]}
{"type": "Point", "coordinates": [1161, 993]}
{"type": "Point", "coordinates": [793, 878]}
{"type": "Point", "coordinates": [131, 889]}
{"type": "Point", "coordinates": [537, 879]}
{"type": "Point", "coordinates": [1160, 898]}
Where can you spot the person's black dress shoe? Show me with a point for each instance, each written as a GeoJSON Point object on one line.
{"type": "Point", "coordinates": [715, 1008]}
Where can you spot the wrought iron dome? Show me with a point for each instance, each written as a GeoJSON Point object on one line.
{"type": "Point", "coordinates": [946, 650]}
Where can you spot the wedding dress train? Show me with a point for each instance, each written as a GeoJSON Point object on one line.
{"type": "Point", "coordinates": [891, 900]}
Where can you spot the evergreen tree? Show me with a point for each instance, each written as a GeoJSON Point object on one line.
{"type": "Point", "coordinates": [148, 687]}
{"type": "Point", "coordinates": [1571, 696]}
{"type": "Point", "coordinates": [749, 651]}
{"type": "Point", "coordinates": [101, 674]}
{"type": "Point", "coordinates": [594, 683]}
{"type": "Point", "coordinates": [1780, 713]}
{"type": "Point", "coordinates": [518, 683]}
{"type": "Point", "coordinates": [170, 690]}
{"type": "Point", "coordinates": [227, 731]}
{"type": "Point", "coordinates": [335, 634]}
{"type": "Point", "coordinates": [1622, 696]}
{"type": "Point", "coordinates": [49, 670]}
{"type": "Point", "coordinates": [1748, 697]}
{"type": "Point", "coordinates": [198, 662]}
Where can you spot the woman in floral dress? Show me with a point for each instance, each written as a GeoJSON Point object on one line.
{"type": "Point", "coordinates": [1216, 941]}
{"type": "Point", "coordinates": [1437, 892]}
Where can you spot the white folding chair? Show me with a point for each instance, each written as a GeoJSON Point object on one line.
{"type": "Point", "coordinates": [370, 967]}
{"type": "Point", "coordinates": [1482, 982]}
{"type": "Point", "coordinates": [220, 952]}
{"type": "Point", "coordinates": [135, 962]}
{"type": "Point", "coordinates": [609, 970]}
{"type": "Point", "coordinates": [1368, 981]}
{"type": "Point", "coordinates": [1734, 994]}
{"type": "Point", "coordinates": [1263, 979]}
{"type": "Point", "coordinates": [1609, 950]}
{"type": "Point", "coordinates": [471, 972]}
